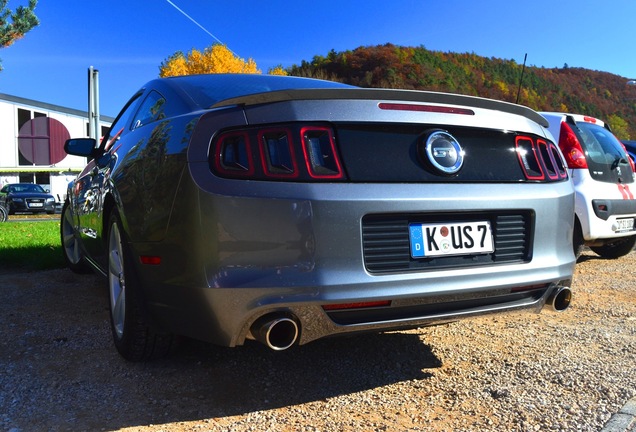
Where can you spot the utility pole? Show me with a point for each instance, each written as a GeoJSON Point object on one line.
{"type": "Point", "coordinates": [93, 104]}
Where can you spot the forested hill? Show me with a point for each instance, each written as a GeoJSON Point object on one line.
{"type": "Point", "coordinates": [599, 94]}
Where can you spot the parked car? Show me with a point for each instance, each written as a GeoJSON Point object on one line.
{"type": "Point", "coordinates": [284, 209]}
{"type": "Point", "coordinates": [603, 176]}
{"type": "Point", "coordinates": [630, 146]}
{"type": "Point", "coordinates": [26, 198]}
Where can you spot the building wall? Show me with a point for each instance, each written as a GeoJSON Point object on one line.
{"type": "Point", "coordinates": [32, 135]}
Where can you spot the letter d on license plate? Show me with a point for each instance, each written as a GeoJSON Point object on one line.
{"type": "Point", "coordinates": [457, 238]}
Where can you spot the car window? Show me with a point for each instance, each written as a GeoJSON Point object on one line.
{"type": "Point", "coordinates": [601, 146]}
{"type": "Point", "coordinates": [26, 187]}
{"type": "Point", "coordinates": [606, 159]}
{"type": "Point", "coordinates": [124, 117]}
{"type": "Point", "coordinates": [151, 109]}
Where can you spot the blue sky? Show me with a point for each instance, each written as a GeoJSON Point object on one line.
{"type": "Point", "coordinates": [126, 40]}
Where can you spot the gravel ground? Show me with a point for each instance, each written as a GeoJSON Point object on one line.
{"type": "Point", "coordinates": [566, 371]}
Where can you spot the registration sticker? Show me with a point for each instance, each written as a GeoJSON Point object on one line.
{"type": "Point", "coordinates": [457, 238]}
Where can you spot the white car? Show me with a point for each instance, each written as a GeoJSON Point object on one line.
{"type": "Point", "coordinates": [603, 177]}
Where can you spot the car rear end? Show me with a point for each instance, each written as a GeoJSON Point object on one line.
{"type": "Point", "coordinates": [331, 212]}
{"type": "Point", "coordinates": [602, 173]}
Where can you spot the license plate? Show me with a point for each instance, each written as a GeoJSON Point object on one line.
{"type": "Point", "coordinates": [455, 238]}
{"type": "Point", "coordinates": [35, 204]}
{"type": "Point", "coordinates": [626, 224]}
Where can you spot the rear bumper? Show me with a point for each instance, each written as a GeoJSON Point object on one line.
{"type": "Point", "coordinates": [599, 206]}
{"type": "Point", "coordinates": [606, 208]}
{"type": "Point", "coordinates": [298, 248]}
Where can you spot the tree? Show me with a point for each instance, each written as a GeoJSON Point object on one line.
{"type": "Point", "coordinates": [278, 70]}
{"type": "Point", "coordinates": [619, 126]}
{"type": "Point", "coordinates": [214, 59]}
{"type": "Point", "coordinates": [14, 25]}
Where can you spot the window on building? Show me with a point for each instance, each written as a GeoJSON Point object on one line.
{"type": "Point", "coordinates": [25, 116]}
{"type": "Point", "coordinates": [38, 178]}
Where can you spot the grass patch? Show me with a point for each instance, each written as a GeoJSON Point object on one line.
{"type": "Point", "coordinates": [30, 246]}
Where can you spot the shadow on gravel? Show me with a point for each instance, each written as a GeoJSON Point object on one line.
{"type": "Point", "coordinates": [61, 371]}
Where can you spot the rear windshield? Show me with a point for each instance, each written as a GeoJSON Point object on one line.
{"type": "Point", "coordinates": [207, 90]}
{"type": "Point", "coordinates": [606, 158]}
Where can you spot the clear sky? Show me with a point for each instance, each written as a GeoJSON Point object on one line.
{"type": "Point", "coordinates": [126, 40]}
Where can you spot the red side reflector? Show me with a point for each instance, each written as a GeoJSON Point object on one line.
{"type": "Point", "coordinates": [425, 108]}
{"type": "Point", "coordinates": [150, 260]}
{"type": "Point", "coordinates": [359, 305]}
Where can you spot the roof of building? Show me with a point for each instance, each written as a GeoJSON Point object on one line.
{"type": "Point", "coordinates": [50, 107]}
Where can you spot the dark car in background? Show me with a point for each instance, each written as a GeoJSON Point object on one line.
{"type": "Point", "coordinates": [283, 209]}
{"type": "Point", "coordinates": [630, 147]}
{"type": "Point", "coordinates": [26, 198]}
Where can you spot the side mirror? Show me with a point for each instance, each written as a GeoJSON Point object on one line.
{"type": "Point", "coordinates": [80, 147]}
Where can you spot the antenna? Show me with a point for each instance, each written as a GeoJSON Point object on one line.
{"type": "Point", "coordinates": [525, 57]}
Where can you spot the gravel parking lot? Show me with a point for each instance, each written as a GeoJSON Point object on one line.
{"type": "Point", "coordinates": [565, 371]}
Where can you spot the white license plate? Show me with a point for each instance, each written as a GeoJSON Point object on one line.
{"type": "Point", "coordinates": [456, 238]}
{"type": "Point", "coordinates": [626, 224]}
{"type": "Point", "coordinates": [35, 204]}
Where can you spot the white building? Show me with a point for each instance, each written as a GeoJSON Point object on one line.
{"type": "Point", "coordinates": [32, 136]}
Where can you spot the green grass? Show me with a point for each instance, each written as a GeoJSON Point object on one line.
{"type": "Point", "coordinates": [30, 246]}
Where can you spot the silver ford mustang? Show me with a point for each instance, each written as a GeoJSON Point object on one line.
{"type": "Point", "coordinates": [283, 209]}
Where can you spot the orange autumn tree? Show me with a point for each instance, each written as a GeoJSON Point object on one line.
{"type": "Point", "coordinates": [214, 59]}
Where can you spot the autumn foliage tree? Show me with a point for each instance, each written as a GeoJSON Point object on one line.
{"type": "Point", "coordinates": [568, 89]}
{"type": "Point", "coordinates": [214, 59]}
{"type": "Point", "coordinates": [15, 24]}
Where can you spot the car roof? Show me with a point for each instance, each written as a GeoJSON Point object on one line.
{"type": "Point", "coordinates": [575, 117]}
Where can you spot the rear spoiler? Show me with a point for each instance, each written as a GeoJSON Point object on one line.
{"type": "Point", "coordinates": [383, 94]}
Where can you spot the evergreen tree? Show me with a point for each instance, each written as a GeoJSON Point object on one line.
{"type": "Point", "coordinates": [15, 24]}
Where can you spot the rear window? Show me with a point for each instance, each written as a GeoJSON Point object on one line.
{"type": "Point", "coordinates": [206, 90]}
{"type": "Point", "coordinates": [606, 158]}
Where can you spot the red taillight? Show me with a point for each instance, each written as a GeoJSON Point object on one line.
{"type": "Point", "coordinates": [319, 149]}
{"type": "Point", "coordinates": [233, 155]}
{"type": "Point", "coordinates": [589, 119]}
{"type": "Point", "coordinates": [277, 153]}
{"type": "Point", "coordinates": [289, 152]}
{"type": "Point", "coordinates": [571, 148]}
{"type": "Point", "coordinates": [529, 158]}
{"type": "Point", "coordinates": [358, 305]}
{"type": "Point", "coordinates": [539, 159]}
{"type": "Point", "coordinates": [547, 157]}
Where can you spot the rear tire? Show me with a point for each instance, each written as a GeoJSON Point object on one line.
{"type": "Point", "coordinates": [71, 249]}
{"type": "Point", "coordinates": [616, 248]}
{"type": "Point", "coordinates": [134, 337]}
{"type": "Point", "coordinates": [578, 242]}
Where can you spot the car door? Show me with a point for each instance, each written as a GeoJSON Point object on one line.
{"type": "Point", "coordinates": [93, 184]}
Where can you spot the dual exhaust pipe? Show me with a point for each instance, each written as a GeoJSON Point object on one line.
{"type": "Point", "coordinates": [560, 298]}
{"type": "Point", "coordinates": [281, 331]}
{"type": "Point", "coordinates": [276, 331]}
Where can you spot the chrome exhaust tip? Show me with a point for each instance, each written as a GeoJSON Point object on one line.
{"type": "Point", "coordinates": [277, 332]}
{"type": "Point", "coordinates": [560, 299]}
